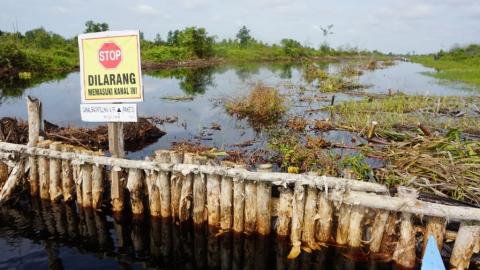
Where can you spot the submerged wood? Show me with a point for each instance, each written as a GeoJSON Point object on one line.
{"type": "Point", "coordinates": [13, 180]}
{"type": "Point", "coordinates": [377, 230]}
{"type": "Point", "coordinates": [135, 186]}
{"type": "Point", "coordinates": [55, 174]}
{"type": "Point", "coordinates": [163, 184]}
{"type": "Point", "coordinates": [264, 203]}
{"type": "Point", "coordinates": [68, 185]}
{"type": "Point", "coordinates": [404, 254]}
{"type": "Point", "coordinates": [467, 243]}
{"type": "Point", "coordinates": [298, 208]}
{"type": "Point", "coordinates": [284, 211]}
{"type": "Point", "coordinates": [324, 221]}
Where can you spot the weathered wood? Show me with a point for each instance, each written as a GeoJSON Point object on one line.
{"type": "Point", "coordinates": [186, 196]}
{"type": "Point", "coordinates": [86, 176]}
{"type": "Point", "coordinates": [404, 254]}
{"type": "Point", "coordinates": [298, 208]}
{"type": "Point", "coordinates": [264, 203]}
{"type": "Point", "coordinates": [12, 181]}
{"type": "Point", "coordinates": [343, 221]}
{"type": "Point", "coordinates": [4, 174]}
{"type": "Point", "coordinates": [116, 148]}
{"type": "Point", "coordinates": [213, 200]}
{"type": "Point", "coordinates": [436, 228]}
{"type": "Point", "coordinates": [308, 235]}
{"type": "Point", "coordinates": [355, 226]}
{"type": "Point", "coordinates": [55, 174]}
{"type": "Point", "coordinates": [377, 230]}
{"type": "Point", "coordinates": [250, 207]}
{"type": "Point", "coordinates": [238, 202]}
{"type": "Point", "coordinates": [77, 179]}
{"type": "Point", "coordinates": [44, 173]}
{"type": "Point", "coordinates": [176, 185]}
{"type": "Point", "coordinates": [97, 185]}
{"type": "Point", "coordinates": [68, 185]}
{"type": "Point", "coordinates": [199, 212]}
{"type": "Point", "coordinates": [226, 200]}
{"type": "Point", "coordinates": [163, 183]}
{"type": "Point", "coordinates": [135, 186]}
{"type": "Point", "coordinates": [34, 125]}
{"type": "Point", "coordinates": [325, 218]}
{"type": "Point", "coordinates": [284, 211]}
{"type": "Point", "coordinates": [389, 238]}
{"type": "Point", "coordinates": [467, 243]}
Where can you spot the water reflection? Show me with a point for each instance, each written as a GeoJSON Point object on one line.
{"type": "Point", "coordinates": [191, 80]}
{"type": "Point", "coordinates": [66, 235]}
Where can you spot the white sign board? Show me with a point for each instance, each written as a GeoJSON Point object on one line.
{"type": "Point", "coordinates": [109, 112]}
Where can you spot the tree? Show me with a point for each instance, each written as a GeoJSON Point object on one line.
{"type": "Point", "coordinates": [92, 27]}
{"type": "Point", "coordinates": [243, 36]}
{"type": "Point", "coordinates": [158, 40]}
{"type": "Point", "coordinates": [196, 40]}
{"type": "Point", "coordinates": [292, 47]}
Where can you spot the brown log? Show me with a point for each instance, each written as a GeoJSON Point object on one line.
{"type": "Point", "coordinates": [298, 209]}
{"type": "Point", "coordinates": [199, 212]}
{"type": "Point", "coordinates": [13, 180]}
{"type": "Point", "coordinates": [404, 254]}
{"type": "Point", "coordinates": [355, 226]}
{"type": "Point", "coordinates": [308, 235]}
{"type": "Point", "coordinates": [377, 230]}
{"type": "Point", "coordinates": [186, 196]}
{"type": "Point", "coordinates": [77, 179]}
{"type": "Point", "coordinates": [163, 183]}
{"type": "Point", "coordinates": [213, 200]}
{"type": "Point", "coordinates": [135, 185]}
{"type": "Point", "coordinates": [68, 185]}
{"type": "Point", "coordinates": [86, 176]}
{"type": "Point", "coordinates": [4, 173]}
{"type": "Point", "coordinates": [43, 173]}
{"type": "Point", "coordinates": [176, 185]}
{"type": "Point", "coordinates": [284, 211]}
{"type": "Point", "coordinates": [250, 207]}
{"type": "Point", "coordinates": [97, 185]}
{"type": "Point", "coordinates": [436, 228]}
{"type": "Point", "coordinates": [226, 200]}
{"type": "Point", "coordinates": [325, 217]}
{"type": "Point", "coordinates": [264, 203]}
{"type": "Point", "coordinates": [343, 220]}
{"type": "Point", "coordinates": [238, 203]}
{"type": "Point", "coordinates": [116, 148]}
{"type": "Point", "coordinates": [55, 174]}
{"type": "Point", "coordinates": [467, 243]}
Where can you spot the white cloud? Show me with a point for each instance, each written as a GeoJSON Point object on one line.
{"type": "Point", "coordinates": [145, 9]}
{"type": "Point", "coordinates": [60, 9]}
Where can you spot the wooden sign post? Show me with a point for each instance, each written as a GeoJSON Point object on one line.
{"type": "Point", "coordinates": [110, 74]}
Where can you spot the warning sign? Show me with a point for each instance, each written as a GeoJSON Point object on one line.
{"type": "Point", "coordinates": [110, 67]}
{"type": "Point", "coordinates": [108, 112]}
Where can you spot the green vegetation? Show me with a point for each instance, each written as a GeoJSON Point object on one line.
{"type": "Point", "coordinates": [458, 64]}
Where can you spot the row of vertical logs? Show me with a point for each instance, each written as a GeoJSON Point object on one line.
{"type": "Point", "coordinates": [306, 214]}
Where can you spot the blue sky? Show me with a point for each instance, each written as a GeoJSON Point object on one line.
{"type": "Point", "coordinates": [390, 25]}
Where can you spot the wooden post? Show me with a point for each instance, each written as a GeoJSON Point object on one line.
{"type": "Point", "coordinates": [77, 179]}
{"type": "Point", "coordinates": [86, 176]}
{"type": "Point", "coordinates": [325, 217]}
{"type": "Point", "coordinates": [377, 230]}
{"type": "Point", "coordinates": [404, 254]}
{"type": "Point", "coordinates": [176, 185]}
{"type": "Point", "coordinates": [250, 207]}
{"type": "Point", "coordinates": [97, 185]}
{"type": "Point", "coordinates": [284, 211]}
{"type": "Point", "coordinates": [68, 186]}
{"type": "Point", "coordinates": [264, 203]}
{"type": "Point", "coordinates": [436, 228]}
{"type": "Point", "coordinates": [116, 148]}
{"type": "Point", "coordinates": [298, 209]}
{"type": "Point", "coordinates": [135, 186]}
{"type": "Point", "coordinates": [55, 174]}
{"type": "Point", "coordinates": [12, 181]}
{"type": "Point", "coordinates": [226, 201]}
{"type": "Point", "coordinates": [213, 200]}
{"type": "Point", "coordinates": [466, 244]}
{"type": "Point", "coordinates": [4, 175]}
{"type": "Point", "coordinates": [238, 202]}
{"type": "Point", "coordinates": [43, 173]}
{"type": "Point", "coordinates": [186, 195]}
{"type": "Point", "coordinates": [34, 124]}
{"type": "Point", "coordinates": [343, 218]}
{"type": "Point", "coordinates": [153, 192]}
{"type": "Point", "coordinates": [199, 213]}
{"type": "Point", "coordinates": [308, 235]}
{"type": "Point", "coordinates": [163, 183]}
{"type": "Point", "coordinates": [355, 226]}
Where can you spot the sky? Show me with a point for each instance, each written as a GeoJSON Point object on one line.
{"type": "Point", "coordinates": [399, 26]}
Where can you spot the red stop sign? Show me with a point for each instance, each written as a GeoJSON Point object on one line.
{"type": "Point", "coordinates": [110, 55]}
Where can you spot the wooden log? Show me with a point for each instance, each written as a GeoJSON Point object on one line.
{"type": "Point", "coordinates": [186, 196]}
{"type": "Point", "coordinates": [323, 226]}
{"type": "Point", "coordinates": [55, 174]}
{"type": "Point", "coordinates": [238, 202]}
{"type": "Point", "coordinates": [377, 230]}
{"type": "Point", "coordinates": [199, 212]}
{"type": "Point", "coordinates": [135, 186]}
{"type": "Point", "coordinates": [436, 228]}
{"type": "Point", "coordinates": [68, 185]}
{"type": "Point", "coordinates": [97, 185]}
{"type": "Point", "coordinates": [226, 200]}
{"type": "Point", "coordinates": [308, 235]}
{"type": "Point", "coordinates": [213, 200]}
{"type": "Point", "coordinates": [12, 181]}
{"type": "Point", "coordinates": [176, 185]}
{"type": "Point", "coordinates": [34, 124]}
{"type": "Point", "coordinates": [116, 148]}
{"type": "Point", "coordinates": [77, 179]}
{"type": "Point", "coordinates": [404, 254]}
{"type": "Point", "coordinates": [86, 176]}
{"type": "Point", "coordinates": [250, 207]}
{"type": "Point", "coordinates": [343, 221]}
{"type": "Point", "coordinates": [44, 173]}
{"type": "Point", "coordinates": [264, 203]}
{"type": "Point", "coordinates": [466, 244]}
{"type": "Point", "coordinates": [355, 226]}
{"type": "Point", "coordinates": [153, 192]}
{"type": "Point", "coordinates": [284, 211]}
{"type": "Point", "coordinates": [163, 183]}
{"type": "Point", "coordinates": [390, 236]}
{"type": "Point", "coordinates": [4, 173]}
{"type": "Point", "coordinates": [298, 209]}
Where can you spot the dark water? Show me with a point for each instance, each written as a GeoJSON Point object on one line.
{"type": "Point", "coordinates": [40, 235]}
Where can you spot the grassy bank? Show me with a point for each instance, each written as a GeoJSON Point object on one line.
{"type": "Point", "coordinates": [459, 64]}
